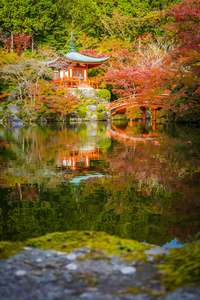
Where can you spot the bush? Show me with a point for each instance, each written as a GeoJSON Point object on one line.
{"type": "Point", "coordinates": [104, 94]}
{"type": "Point", "coordinates": [1, 115]}
{"type": "Point", "coordinates": [90, 102]}
{"type": "Point", "coordinates": [119, 117]}
{"type": "Point", "coordinates": [81, 113]}
{"type": "Point", "coordinates": [101, 108]}
{"type": "Point", "coordinates": [101, 116]}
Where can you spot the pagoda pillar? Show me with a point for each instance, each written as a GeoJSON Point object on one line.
{"type": "Point", "coordinates": [143, 114]}
{"type": "Point", "coordinates": [154, 115]}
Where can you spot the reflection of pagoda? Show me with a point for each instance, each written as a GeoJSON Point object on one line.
{"type": "Point", "coordinates": [78, 162]}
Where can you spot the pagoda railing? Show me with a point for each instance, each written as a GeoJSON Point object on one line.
{"type": "Point", "coordinates": [75, 83]}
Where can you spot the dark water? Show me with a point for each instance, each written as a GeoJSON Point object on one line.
{"type": "Point", "coordinates": [138, 181]}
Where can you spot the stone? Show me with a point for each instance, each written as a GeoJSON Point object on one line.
{"type": "Point", "coordinates": [14, 109]}
{"type": "Point", "coordinates": [39, 259]}
{"type": "Point", "coordinates": [71, 267]}
{"type": "Point", "coordinates": [73, 114]}
{"type": "Point", "coordinates": [20, 273]}
{"type": "Point", "coordinates": [157, 251]}
{"type": "Point", "coordinates": [59, 253]}
{"type": "Point", "coordinates": [43, 120]}
{"type": "Point", "coordinates": [88, 115]}
{"type": "Point", "coordinates": [93, 118]}
{"type": "Point", "coordinates": [185, 293]}
{"type": "Point", "coordinates": [128, 270]}
{"type": "Point", "coordinates": [120, 247]}
{"type": "Point", "coordinates": [105, 113]}
{"type": "Point", "coordinates": [17, 123]}
{"type": "Point", "coordinates": [71, 256]}
{"type": "Point", "coordinates": [67, 277]}
{"type": "Point", "coordinates": [27, 248]}
{"type": "Point", "coordinates": [92, 108]}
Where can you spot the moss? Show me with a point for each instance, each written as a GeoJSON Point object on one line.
{"type": "Point", "coordinates": [95, 255]}
{"type": "Point", "coordinates": [9, 248]}
{"type": "Point", "coordinates": [94, 240]}
{"type": "Point", "coordinates": [182, 266]}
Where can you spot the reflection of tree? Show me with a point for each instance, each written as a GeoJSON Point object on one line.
{"type": "Point", "coordinates": [151, 192]}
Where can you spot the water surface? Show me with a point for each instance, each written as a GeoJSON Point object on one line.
{"type": "Point", "coordinates": [138, 181]}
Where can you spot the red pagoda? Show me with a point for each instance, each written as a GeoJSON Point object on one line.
{"type": "Point", "coordinates": [71, 69]}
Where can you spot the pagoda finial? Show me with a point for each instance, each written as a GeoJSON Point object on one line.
{"type": "Point", "coordinates": [72, 43]}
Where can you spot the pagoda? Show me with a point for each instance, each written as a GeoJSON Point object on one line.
{"type": "Point", "coordinates": [71, 70]}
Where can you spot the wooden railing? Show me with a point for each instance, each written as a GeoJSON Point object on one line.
{"type": "Point", "coordinates": [75, 83]}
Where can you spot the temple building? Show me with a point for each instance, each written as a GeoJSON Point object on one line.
{"type": "Point", "coordinates": [71, 69]}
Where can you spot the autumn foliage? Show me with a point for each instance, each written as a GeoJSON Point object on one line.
{"type": "Point", "coordinates": [51, 102]}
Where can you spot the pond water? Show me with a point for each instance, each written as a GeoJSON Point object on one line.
{"type": "Point", "coordinates": [135, 180]}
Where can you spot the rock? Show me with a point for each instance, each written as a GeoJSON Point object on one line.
{"type": "Point", "coordinates": [108, 114]}
{"type": "Point", "coordinates": [93, 118]}
{"type": "Point", "coordinates": [17, 123]}
{"type": "Point", "coordinates": [88, 115]}
{"type": "Point", "coordinates": [67, 277]}
{"type": "Point", "coordinates": [157, 251]}
{"type": "Point", "coordinates": [185, 293]}
{"type": "Point", "coordinates": [73, 114]}
{"type": "Point", "coordinates": [128, 270]}
{"type": "Point", "coordinates": [27, 248]}
{"type": "Point", "coordinates": [43, 120]}
{"type": "Point", "coordinates": [71, 256]}
{"type": "Point", "coordinates": [14, 109]}
{"type": "Point", "coordinates": [71, 267]}
{"type": "Point", "coordinates": [39, 259]}
{"type": "Point", "coordinates": [20, 273]}
{"type": "Point", "coordinates": [120, 247]}
{"type": "Point", "coordinates": [73, 120]}
{"type": "Point", "coordinates": [92, 108]}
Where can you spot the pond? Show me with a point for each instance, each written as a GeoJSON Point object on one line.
{"type": "Point", "coordinates": [134, 180]}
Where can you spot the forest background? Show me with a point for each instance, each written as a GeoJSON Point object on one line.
{"type": "Point", "coordinates": [153, 45]}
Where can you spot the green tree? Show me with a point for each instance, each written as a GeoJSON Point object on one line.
{"type": "Point", "coordinates": [27, 16]}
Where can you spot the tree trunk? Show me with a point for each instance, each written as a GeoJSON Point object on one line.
{"type": "Point", "coordinates": [11, 43]}
{"type": "Point", "coordinates": [32, 42]}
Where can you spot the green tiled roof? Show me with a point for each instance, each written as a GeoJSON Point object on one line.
{"type": "Point", "coordinates": [75, 56]}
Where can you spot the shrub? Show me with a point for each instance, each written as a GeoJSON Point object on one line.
{"type": "Point", "coordinates": [119, 117]}
{"type": "Point", "coordinates": [104, 94]}
{"type": "Point", "coordinates": [101, 116]}
{"type": "Point", "coordinates": [1, 115]}
{"type": "Point", "coordinates": [101, 108]}
{"type": "Point", "coordinates": [90, 102]}
{"type": "Point", "coordinates": [81, 113]}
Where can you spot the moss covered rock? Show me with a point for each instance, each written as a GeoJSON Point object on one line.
{"type": "Point", "coordinates": [68, 241]}
{"type": "Point", "coordinates": [9, 248]}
